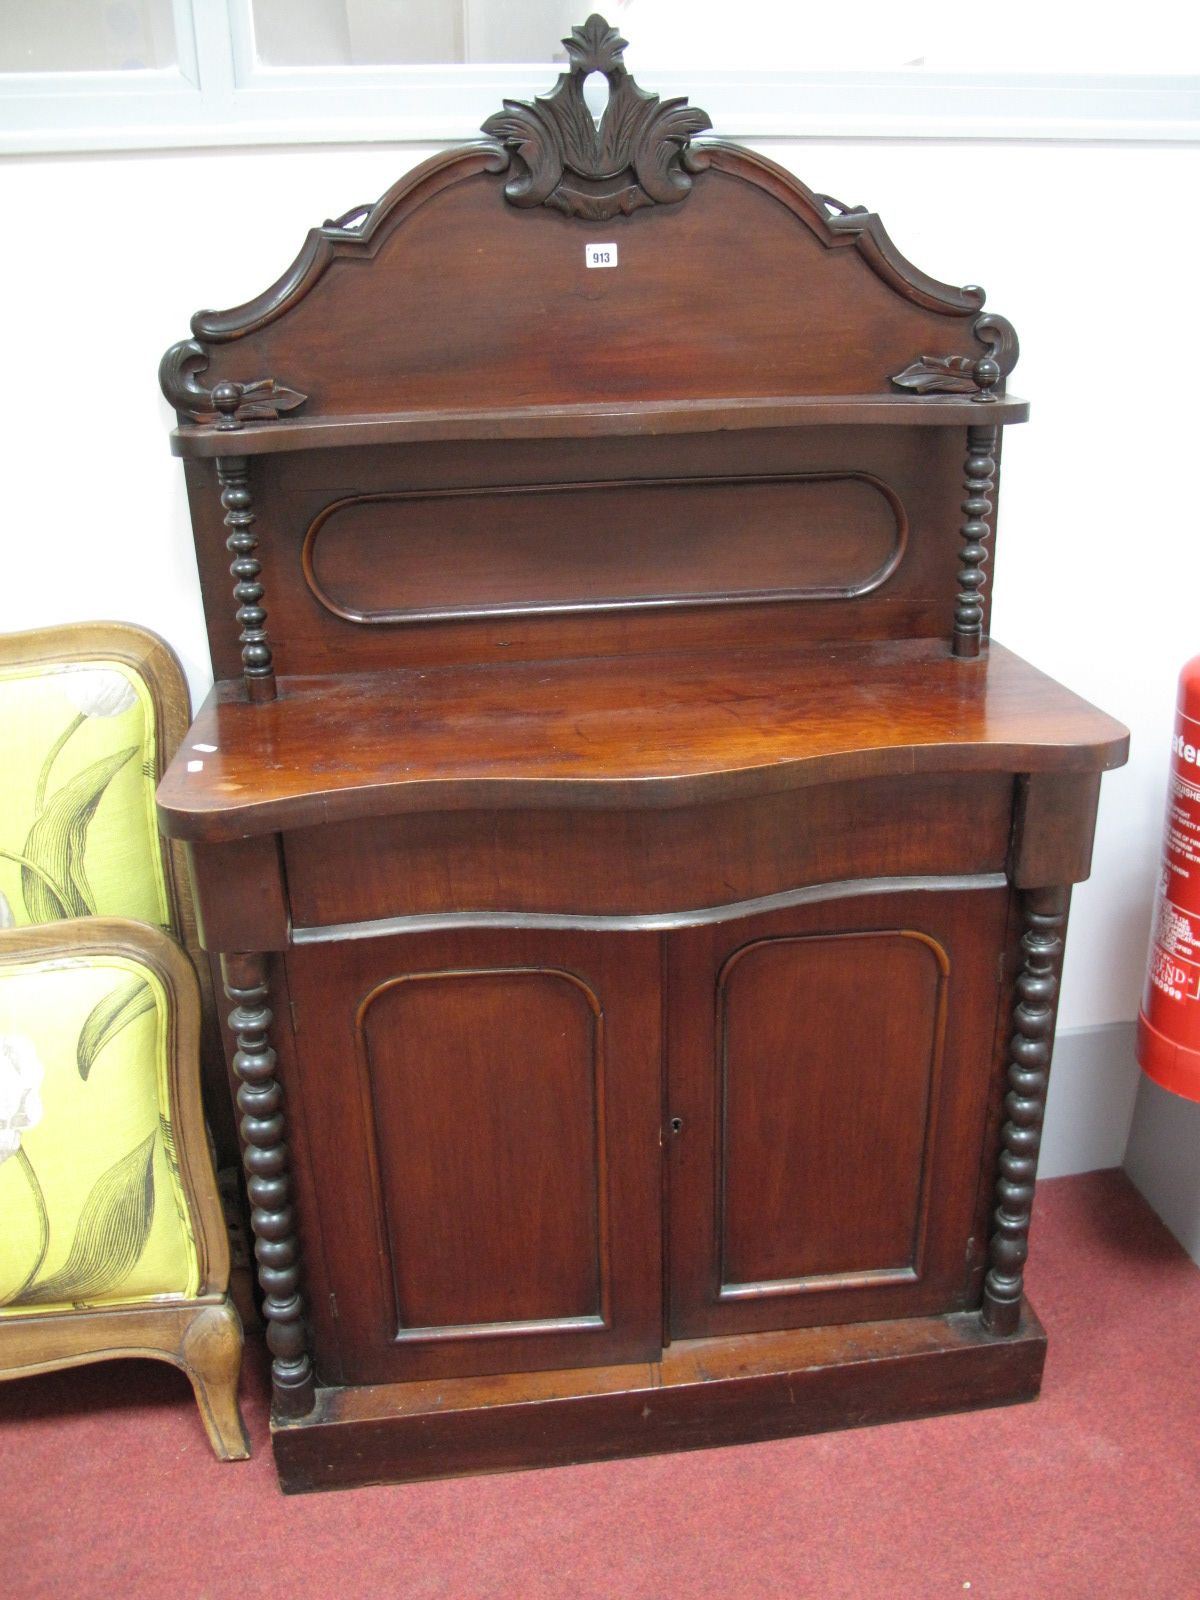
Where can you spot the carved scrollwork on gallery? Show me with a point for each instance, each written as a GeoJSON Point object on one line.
{"type": "Point", "coordinates": [638, 155]}
{"type": "Point", "coordinates": [982, 377]}
{"type": "Point", "coordinates": [351, 221]}
{"type": "Point", "coordinates": [227, 404]}
{"type": "Point", "coordinates": [833, 207]}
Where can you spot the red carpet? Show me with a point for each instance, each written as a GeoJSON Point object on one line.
{"type": "Point", "coordinates": [108, 1487]}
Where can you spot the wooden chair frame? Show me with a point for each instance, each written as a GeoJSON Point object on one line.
{"type": "Point", "coordinates": [202, 1334]}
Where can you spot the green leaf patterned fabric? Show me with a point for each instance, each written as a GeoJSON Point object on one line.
{"type": "Point", "coordinates": [91, 1197]}
{"type": "Point", "coordinates": [107, 1019]}
{"type": "Point", "coordinates": [110, 1232]}
{"type": "Point", "coordinates": [56, 848]}
{"type": "Point", "coordinates": [78, 833]}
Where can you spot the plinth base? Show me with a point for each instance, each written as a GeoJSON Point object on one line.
{"type": "Point", "coordinates": [703, 1393]}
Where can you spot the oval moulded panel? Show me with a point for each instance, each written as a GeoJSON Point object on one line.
{"type": "Point", "coordinates": [627, 544]}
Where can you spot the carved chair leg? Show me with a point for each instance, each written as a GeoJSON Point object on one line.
{"type": "Point", "coordinates": [1025, 1104]}
{"type": "Point", "coordinates": [210, 1352]}
{"type": "Point", "coordinates": [268, 1183]}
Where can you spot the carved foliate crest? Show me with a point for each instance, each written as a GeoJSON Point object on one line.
{"type": "Point", "coordinates": [982, 377]}
{"type": "Point", "coordinates": [637, 156]}
{"type": "Point", "coordinates": [227, 404]}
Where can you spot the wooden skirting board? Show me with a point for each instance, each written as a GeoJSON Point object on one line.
{"type": "Point", "coordinates": [703, 1393]}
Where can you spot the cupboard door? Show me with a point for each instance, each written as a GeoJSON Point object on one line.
{"type": "Point", "coordinates": [484, 1114]}
{"type": "Point", "coordinates": [830, 1069]}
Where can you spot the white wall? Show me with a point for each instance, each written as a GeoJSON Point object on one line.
{"type": "Point", "coordinates": [1089, 250]}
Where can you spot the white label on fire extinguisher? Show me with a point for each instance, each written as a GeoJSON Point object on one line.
{"type": "Point", "coordinates": [1183, 828]}
{"type": "Point", "coordinates": [1174, 964]}
{"type": "Point", "coordinates": [1178, 979]}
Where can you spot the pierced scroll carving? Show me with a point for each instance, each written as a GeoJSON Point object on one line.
{"type": "Point", "coordinates": [639, 154]}
{"type": "Point", "coordinates": [833, 207]}
{"type": "Point", "coordinates": [982, 377]}
{"type": "Point", "coordinates": [1025, 1103]}
{"type": "Point", "coordinates": [266, 1159]}
{"type": "Point", "coordinates": [979, 477]}
{"type": "Point", "coordinates": [258, 666]}
{"type": "Point", "coordinates": [227, 404]}
{"type": "Point", "coordinates": [352, 221]}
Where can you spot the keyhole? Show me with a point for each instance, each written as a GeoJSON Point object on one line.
{"type": "Point", "coordinates": [595, 94]}
{"type": "Point", "coordinates": [676, 1124]}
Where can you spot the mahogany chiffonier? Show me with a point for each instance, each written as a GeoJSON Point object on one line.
{"type": "Point", "coordinates": [640, 883]}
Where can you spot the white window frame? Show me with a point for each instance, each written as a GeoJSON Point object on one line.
{"type": "Point", "coordinates": [219, 94]}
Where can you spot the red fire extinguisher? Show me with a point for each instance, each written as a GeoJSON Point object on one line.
{"type": "Point", "coordinates": [1168, 1034]}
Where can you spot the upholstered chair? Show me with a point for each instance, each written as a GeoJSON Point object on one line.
{"type": "Point", "coordinates": [113, 1240]}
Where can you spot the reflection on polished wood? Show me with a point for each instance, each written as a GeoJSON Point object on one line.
{"type": "Point", "coordinates": [663, 730]}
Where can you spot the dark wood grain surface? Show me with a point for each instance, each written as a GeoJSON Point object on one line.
{"type": "Point", "coordinates": [605, 420]}
{"type": "Point", "coordinates": [377, 559]}
{"type": "Point", "coordinates": [501, 1092]}
{"type": "Point", "coordinates": [704, 1392]}
{"type": "Point", "coordinates": [747, 539]}
{"type": "Point", "coordinates": [624, 868]}
{"type": "Point", "coordinates": [635, 862]}
{"type": "Point", "coordinates": [830, 1068]}
{"type": "Point", "coordinates": [666, 730]}
{"type": "Point", "coordinates": [703, 304]}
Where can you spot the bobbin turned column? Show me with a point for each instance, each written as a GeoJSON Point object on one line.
{"type": "Point", "coordinates": [1030, 1049]}
{"type": "Point", "coordinates": [258, 668]}
{"type": "Point", "coordinates": [267, 1162]}
{"type": "Point", "coordinates": [979, 478]}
